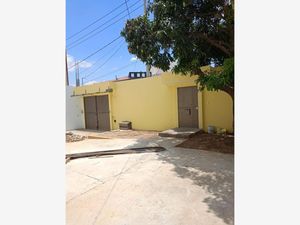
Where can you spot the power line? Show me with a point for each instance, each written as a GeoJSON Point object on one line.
{"type": "Point", "coordinates": [127, 9]}
{"type": "Point", "coordinates": [98, 59]}
{"type": "Point", "coordinates": [106, 74]}
{"type": "Point", "coordinates": [92, 31]}
{"type": "Point", "coordinates": [74, 44]}
{"type": "Point", "coordinates": [97, 20]}
{"type": "Point", "coordinates": [97, 50]}
{"type": "Point", "coordinates": [99, 67]}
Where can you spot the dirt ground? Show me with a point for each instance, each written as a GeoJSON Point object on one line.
{"type": "Point", "coordinates": [210, 142]}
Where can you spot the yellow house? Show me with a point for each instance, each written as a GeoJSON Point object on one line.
{"type": "Point", "coordinates": [154, 103]}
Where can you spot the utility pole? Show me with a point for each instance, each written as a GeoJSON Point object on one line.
{"type": "Point", "coordinates": [67, 73]}
{"type": "Point", "coordinates": [77, 74]}
{"type": "Point", "coordinates": [145, 13]}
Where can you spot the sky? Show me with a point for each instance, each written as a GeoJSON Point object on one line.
{"type": "Point", "coordinates": [114, 60]}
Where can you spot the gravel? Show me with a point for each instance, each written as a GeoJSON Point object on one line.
{"type": "Point", "coordinates": [70, 137]}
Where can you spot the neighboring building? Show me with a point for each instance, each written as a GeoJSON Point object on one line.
{"type": "Point", "coordinates": [133, 75]}
{"type": "Point", "coordinates": [155, 71]}
{"type": "Point", "coordinates": [158, 71]}
{"type": "Point", "coordinates": [153, 103]}
{"type": "Point", "coordinates": [74, 110]}
{"type": "Point", "coordinates": [136, 75]}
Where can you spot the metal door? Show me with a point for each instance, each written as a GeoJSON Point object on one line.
{"type": "Point", "coordinates": [188, 107]}
{"type": "Point", "coordinates": [90, 111]}
{"type": "Point", "coordinates": [103, 112]}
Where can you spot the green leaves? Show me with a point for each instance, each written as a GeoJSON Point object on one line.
{"type": "Point", "coordinates": [218, 78]}
{"type": "Point", "coordinates": [192, 34]}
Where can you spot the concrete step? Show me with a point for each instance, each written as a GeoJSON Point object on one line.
{"type": "Point", "coordinates": [179, 132]}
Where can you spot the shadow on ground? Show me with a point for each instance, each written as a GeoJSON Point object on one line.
{"type": "Point", "coordinates": [212, 171]}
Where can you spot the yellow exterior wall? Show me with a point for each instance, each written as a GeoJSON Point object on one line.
{"type": "Point", "coordinates": [151, 103]}
{"type": "Point", "coordinates": [144, 102]}
{"type": "Point", "coordinates": [217, 109]}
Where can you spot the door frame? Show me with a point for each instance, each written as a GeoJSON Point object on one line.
{"type": "Point", "coordinates": [109, 108]}
{"type": "Point", "coordinates": [199, 105]}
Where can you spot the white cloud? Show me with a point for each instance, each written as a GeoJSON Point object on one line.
{"type": "Point", "coordinates": [85, 64]}
{"type": "Point", "coordinates": [133, 59]}
{"type": "Point", "coordinates": [71, 62]}
{"type": "Point", "coordinates": [90, 82]}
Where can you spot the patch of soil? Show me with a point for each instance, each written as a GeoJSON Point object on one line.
{"type": "Point", "coordinates": [210, 142]}
{"type": "Point", "coordinates": [70, 137]}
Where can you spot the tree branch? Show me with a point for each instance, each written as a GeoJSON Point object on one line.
{"type": "Point", "coordinates": [214, 43]}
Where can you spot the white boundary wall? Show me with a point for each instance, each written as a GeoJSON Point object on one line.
{"type": "Point", "coordinates": [74, 110]}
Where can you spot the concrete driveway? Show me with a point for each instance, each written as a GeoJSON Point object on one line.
{"type": "Point", "coordinates": [178, 186]}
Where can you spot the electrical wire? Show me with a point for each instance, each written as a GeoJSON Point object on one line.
{"type": "Point", "coordinates": [97, 20]}
{"type": "Point", "coordinates": [127, 9]}
{"type": "Point", "coordinates": [98, 59]}
{"type": "Point", "coordinates": [97, 51]}
{"type": "Point", "coordinates": [74, 44]}
{"type": "Point", "coordinates": [106, 61]}
{"type": "Point", "coordinates": [109, 73]}
{"type": "Point", "coordinates": [98, 27]}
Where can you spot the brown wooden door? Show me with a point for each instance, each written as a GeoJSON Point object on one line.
{"type": "Point", "coordinates": [90, 111]}
{"type": "Point", "coordinates": [96, 110]}
{"type": "Point", "coordinates": [188, 107]}
{"type": "Point", "coordinates": [103, 112]}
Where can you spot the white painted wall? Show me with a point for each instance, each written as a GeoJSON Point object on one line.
{"type": "Point", "coordinates": [74, 110]}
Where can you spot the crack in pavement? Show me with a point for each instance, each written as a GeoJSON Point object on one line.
{"type": "Point", "coordinates": [108, 196]}
{"type": "Point", "coordinates": [105, 180]}
{"type": "Point", "coordinates": [95, 178]}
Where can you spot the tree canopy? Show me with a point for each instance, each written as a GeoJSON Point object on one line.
{"type": "Point", "coordinates": [191, 33]}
